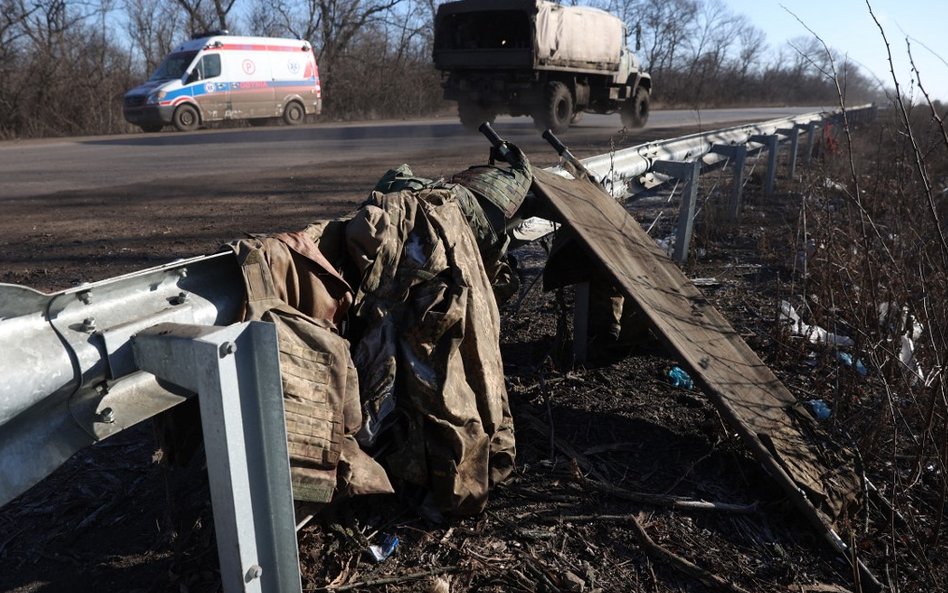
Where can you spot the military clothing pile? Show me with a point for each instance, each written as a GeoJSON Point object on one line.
{"type": "Point", "coordinates": [388, 332]}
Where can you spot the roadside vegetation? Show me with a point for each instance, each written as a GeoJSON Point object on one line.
{"type": "Point", "coordinates": [857, 297]}
{"type": "Point", "coordinates": [65, 64]}
{"type": "Point", "coordinates": [871, 263]}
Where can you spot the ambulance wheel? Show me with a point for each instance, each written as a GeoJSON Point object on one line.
{"type": "Point", "coordinates": [186, 118]}
{"type": "Point", "coordinates": [152, 128]}
{"type": "Point", "coordinates": [293, 114]}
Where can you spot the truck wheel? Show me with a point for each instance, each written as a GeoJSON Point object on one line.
{"type": "Point", "coordinates": [186, 118]}
{"type": "Point", "coordinates": [557, 108]}
{"type": "Point", "coordinates": [635, 112]}
{"type": "Point", "coordinates": [473, 115]}
{"type": "Point", "coordinates": [293, 114]}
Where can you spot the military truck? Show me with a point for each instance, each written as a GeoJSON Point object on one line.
{"type": "Point", "coordinates": [537, 58]}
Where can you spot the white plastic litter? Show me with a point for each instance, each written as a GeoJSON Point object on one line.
{"type": "Point", "coordinates": [900, 320]}
{"type": "Point", "coordinates": [813, 333]}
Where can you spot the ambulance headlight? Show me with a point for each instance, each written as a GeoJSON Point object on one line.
{"type": "Point", "coordinates": [155, 97]}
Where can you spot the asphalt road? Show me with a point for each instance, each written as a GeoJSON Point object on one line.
{"type": "Point", "coordinates": [42, 167]}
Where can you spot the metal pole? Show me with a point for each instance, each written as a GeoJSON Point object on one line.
{"type": "Point", "coordinates": [794, 135]}
{"type": "Point", "coordinates": [235, 371]}
{"type": "Point", "coordinates": [687, 172]}
{"type": "Point", "coordinates": [810, 139]}
{"type": "Point", "coordinates": [769, 141]}
{"type": "Point", "coordinates": [737, 155]}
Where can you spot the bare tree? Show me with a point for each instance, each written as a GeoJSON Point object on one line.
{"type": "Point", "coordinates": [206, 15]}
{"type": "Point", "coordinates": [331, 25]}
{"type": "Point", "coordinates": [666, 26]}
{"type": "Point", "coordinates": [153, 27]}
{"type": "Point", "coordinates": [753, 46]}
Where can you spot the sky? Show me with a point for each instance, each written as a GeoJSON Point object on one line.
{"type": "Point", "coordinates": [846, 26]}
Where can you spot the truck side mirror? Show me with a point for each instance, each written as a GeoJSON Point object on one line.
{"type": "Point", "coordinates": [638, 37]}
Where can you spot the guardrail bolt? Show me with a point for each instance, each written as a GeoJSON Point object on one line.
{"type": "Point", "coordinates": [88, 324]}
{"type": "Point", "coordinates": [181, 299]}
{"type": "Point", "coordinates": [254, 572]}
{"type": "Point", "coordinates": [228, 348]}
{"type": "Point", "coordinates": [85, 296]}
{"type": "Point", "coordinates": [107, 415]}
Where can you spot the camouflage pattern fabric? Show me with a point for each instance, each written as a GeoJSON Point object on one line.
{"type": "Point", "coordinates": [505, 187]}
{"type": "Point", "coordinates": [290, 284]}
{"type": "Point", "coordinates": [433, 325]}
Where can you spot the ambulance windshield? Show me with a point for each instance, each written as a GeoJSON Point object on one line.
{"type": "Point", "coordinates": [174, 66]}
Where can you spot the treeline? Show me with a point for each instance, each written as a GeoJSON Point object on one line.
{"type": "Point", "coordinates": [65, 64]}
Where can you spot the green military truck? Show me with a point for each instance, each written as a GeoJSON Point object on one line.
{"type": "Point", "coordinates": [537, 58]}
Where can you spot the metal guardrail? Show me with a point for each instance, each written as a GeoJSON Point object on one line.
{"type": "Point", "coordinates": [72, 373]}
{"type": "Point", "coordinates": [620, 170]}
{"type": "Point", "coordinates": [629, 171]}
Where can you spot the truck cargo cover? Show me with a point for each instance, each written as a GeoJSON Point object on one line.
{"type": "Point", "coordinates": [578, 36]}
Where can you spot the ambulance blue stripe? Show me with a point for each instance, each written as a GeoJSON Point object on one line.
{"type": "Point", "coordinates": [198, 90]}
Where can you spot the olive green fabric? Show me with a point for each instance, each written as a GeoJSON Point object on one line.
{"type": "Point", "coordinates": [290, 284]}
{"type": "Point", "coordinates": [505, 186]}
{"type": "Point", "coordinates": [485, 219]}
{"type": "Point", "coordinates": [432, 339]}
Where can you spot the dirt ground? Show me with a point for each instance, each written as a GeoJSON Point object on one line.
{"type": "Point", "coordinates": [116, 519]}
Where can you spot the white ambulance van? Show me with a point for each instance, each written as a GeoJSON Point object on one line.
{"type": "Point", "coordinates": [219, 76]}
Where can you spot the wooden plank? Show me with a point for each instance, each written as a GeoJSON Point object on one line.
{"type": "Point", "coordinates": [746, 392]}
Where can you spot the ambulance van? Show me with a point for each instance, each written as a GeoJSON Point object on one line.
{"type": "Point", "coordinates": [218, 76]}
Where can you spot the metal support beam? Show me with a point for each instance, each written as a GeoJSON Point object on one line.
{"type": "Point", "coordinates": [810, 139]}
{"type": "Point", "coordinates": [737, 154]}
{"type": "Point", "coordinates": [687, 172]}
{"type": "Point", "coordinates": [581, 322]}
{"type": "Point", "coordinates": [770, 142]}
{"type": "Point", "coordinates": [794, 135]}
{"type": "Point", "coordinates": [235, 371]}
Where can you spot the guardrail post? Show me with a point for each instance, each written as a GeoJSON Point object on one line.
{"type": "Point", "coordinates": [770, 142]}
{"type": "Point", "coordinates": [235, 370]}
{"type": "Point", "coordinates": [737, 154]}
{"type": "Point", "coordinates": [810, 139]}
{"type": "Point", "coordinates": [687, 172]}
{"type": "Point", "coordinates": [794, 135]}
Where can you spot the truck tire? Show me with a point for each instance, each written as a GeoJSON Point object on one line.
{"type": "Point", "coordinates": [473, 115]}
{"type": "Point", "coordinates": [186, 118]}
{"type": "Point", "coordinates": [635, 112]}
{"type": "Point", "coordinates": [293, 113]}
{"type": "Point", "coordinates": [557, 108]}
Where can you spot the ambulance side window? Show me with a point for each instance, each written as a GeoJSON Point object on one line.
{"type": "Point", "coordinates": [212, 65]}
{"type": "Point", "coordinates": [208, 67]}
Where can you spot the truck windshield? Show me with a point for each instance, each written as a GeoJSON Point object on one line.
{"type": "Point", "coordinates": [492, 29]}
{"type": "Point", "coordinates": [174, 66]}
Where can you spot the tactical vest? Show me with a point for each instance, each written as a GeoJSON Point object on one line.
{"type": "Point", "coordinates": [290, 284]}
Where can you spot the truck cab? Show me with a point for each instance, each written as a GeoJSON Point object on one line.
{"type": "Point", "coordinates": [537, 58]}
